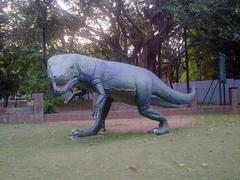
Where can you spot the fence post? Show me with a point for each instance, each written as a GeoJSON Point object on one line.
{"type": "Point", "coordinates": [194, 104]}
{"type": "Point", "coordinates": [38, 107]}
{"type": "Point", "coordinates": [234, 99]}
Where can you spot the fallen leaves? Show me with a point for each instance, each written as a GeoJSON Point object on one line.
{"type": "Point", "coordinates": [181, 165]}
{"type": "Point", "coordinates": [132, 168]}
{"type": "Point", "coordinates": [204, 164]}
{"type": "Point", "coordinates": [188, 168]}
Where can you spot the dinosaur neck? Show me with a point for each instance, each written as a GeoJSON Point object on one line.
{"type": "Point", "coordinates": [86, 68]}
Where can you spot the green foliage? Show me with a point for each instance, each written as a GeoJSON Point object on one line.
{"type": "Point", "coordinates": [198, 70]}
{"type": "Point", "coordinates": [13, 66]}
{"type": "Point", "coordinates": [121, 30]}
{"type": "Point", "coordinates": [214, 27]}
{"type": "Point", "coordinates": [49, 106]}
{"type": "Point", "coordinates": [51, 103]}
{"type": "Point", "coordinates": [203, 57]}
{"type": "Point", "coordinates": [35, 79]}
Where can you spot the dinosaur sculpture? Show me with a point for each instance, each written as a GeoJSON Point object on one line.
{"type": "Point", "coordinates": [113, 81]}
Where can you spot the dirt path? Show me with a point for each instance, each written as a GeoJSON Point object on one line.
{"type": "Point", "coordinates": [139, 124]}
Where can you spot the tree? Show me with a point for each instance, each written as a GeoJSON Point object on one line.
{"type": "Point", "coordinates": [135, 33]}
{"type": "Point", "coordinates": [213, 27]}
{"type": "Point", "coordinates": [145, 33]}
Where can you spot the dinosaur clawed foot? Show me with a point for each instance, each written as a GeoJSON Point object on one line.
{"type": "Point", "coordinates": [159, 131]}
{"type": "Point", "coordinates": [76, 133]}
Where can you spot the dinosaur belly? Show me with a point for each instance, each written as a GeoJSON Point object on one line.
{"type": "Point", "coordinates": [124, 96]}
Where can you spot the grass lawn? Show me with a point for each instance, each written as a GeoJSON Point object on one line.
{"type": "Point", "coordinates": [208, 150]}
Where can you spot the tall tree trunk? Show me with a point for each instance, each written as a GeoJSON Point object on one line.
{"type": "Point", "coordinates": [159, 61]}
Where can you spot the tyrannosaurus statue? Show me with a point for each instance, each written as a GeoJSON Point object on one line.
{"type": "Point", "coordinates": [113, 81]}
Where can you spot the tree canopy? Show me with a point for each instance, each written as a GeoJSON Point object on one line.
{"type": "Point", "coordinates": [147, 33]}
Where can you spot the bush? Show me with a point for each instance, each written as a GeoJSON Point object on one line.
{"type": "Point", "coordinates": [51, 103]}
{"type": "Point", "coordinates": [35, 79]}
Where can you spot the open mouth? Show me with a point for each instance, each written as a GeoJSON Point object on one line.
{"type": "Point", "coordinates": [61, 86]}
{"type": "Point", "coordinates": [64, 86]}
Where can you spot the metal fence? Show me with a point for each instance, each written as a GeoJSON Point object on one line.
{"type": "Point", "coordinates": [208, 91]}
{"type": "Point", "coordinates": [12, 99]}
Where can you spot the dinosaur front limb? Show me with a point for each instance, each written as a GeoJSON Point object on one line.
{"type": "Point", "coordinates": [101, 113]}
{"type": "Point", "coordinates": [69, 95]}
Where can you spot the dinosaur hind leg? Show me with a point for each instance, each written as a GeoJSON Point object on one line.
{"type": "Point", "coordinates": [143, 103]}
{"type": "Point", "coordinates": [163, 124]}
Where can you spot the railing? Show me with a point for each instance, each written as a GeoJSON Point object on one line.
{"type": "Point", "coordinates": [26, 111]}
{"type": "Point", "coordinates": [34, 113]}
{"type": "Point", "coordinates": [12, 99]}
{"type": "Point", "coordinates": [208, 91]}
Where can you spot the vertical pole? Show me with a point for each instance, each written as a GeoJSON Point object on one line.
{"type": "Point", "coordinates": [6, 96]}
{"type": "Point", "coordinates": [234, 99]}
{"type": "Point", "coordinates": [38, 107]}
{"type": "Point", "coordinates": [44, 30]}
{"type": "Point", "coordinates": [194, 104]}
{"type": "Point", "coordinates": [159, 61]}
{"type": "Point", "coordinates": [186, 58]}
{"type": "Point", "coordinates": [220, 92]}
{"type": "Point", "coordinates": [224, 94]}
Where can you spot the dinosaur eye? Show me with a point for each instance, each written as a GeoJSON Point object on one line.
{"type": "Point", "coordinates": [71, 67]}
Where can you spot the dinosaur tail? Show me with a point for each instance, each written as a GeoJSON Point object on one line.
{"type": "Point", "coordinates": [161, 90]}
{"type": "Point", "coordinates": [158, 101]}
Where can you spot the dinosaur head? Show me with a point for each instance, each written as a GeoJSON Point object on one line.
{"type": "Point", "coordinates": [63, 74]}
